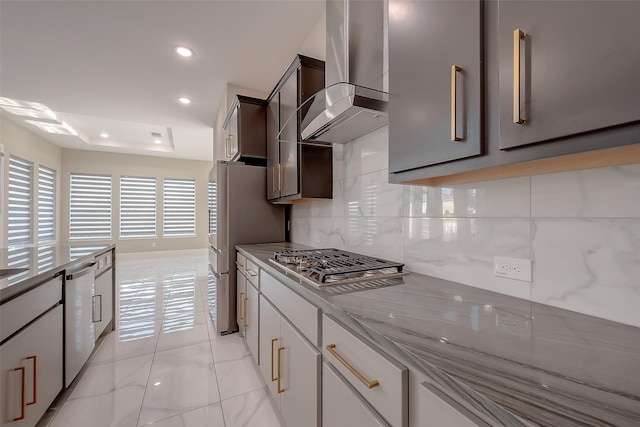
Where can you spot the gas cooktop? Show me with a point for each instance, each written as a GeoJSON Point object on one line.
{"type": "Point", "coordinates": [321, 267]}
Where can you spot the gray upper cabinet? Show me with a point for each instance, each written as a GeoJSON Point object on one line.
{"type": "Point", "coordinates": [566, 67]}
{"type": "Point", "coordinates": [245, 129]}
{"type": "Point", "coordinates": [273, 148]}
{"type": "Point", "coordinates": [289, 136]}
{"type": "Point", "coordinates": [435, 81]}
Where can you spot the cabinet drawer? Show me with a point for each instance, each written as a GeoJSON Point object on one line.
{"type": "Point", "coordinates": [352, 357]}
{"type": "Point", "coordinates": [23, 309]}
{"type": "Point", "coordinates": [241, 262]}
{"type": "Point", "coordinates": [252, 271]}
{"type": "Point", "coordinates": [295, 308]}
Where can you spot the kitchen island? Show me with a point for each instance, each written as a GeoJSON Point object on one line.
{"type": "Point", "coordinates": [54, 305]}
{"type": "Point", "coordinates": [505, 360]}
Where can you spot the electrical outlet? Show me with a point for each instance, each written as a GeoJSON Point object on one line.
{"type": "Point", "coordinates": [514, 324]}
{"type": "Point", "coordinates": [512, 268]}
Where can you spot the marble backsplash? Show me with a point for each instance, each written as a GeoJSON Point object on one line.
{"type": "Point", "coordinates": [581, 229]}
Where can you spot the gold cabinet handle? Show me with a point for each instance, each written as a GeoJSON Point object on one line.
{"type": "Point", "coordinates": [367, 383]}
{"type": "Point", "coordinates": [273, 377]}
{"type": "Point", "coordinates": [280, 173]}
{"type": "Point", "coordinates": [454, 86]}
{"type": "Point", "coordinates": [273, 180]}
{"type": "Point", "coordinates": [280, 390]}
{"type": "Point", "coordinates": [23, 399]}
{"type": "Point", "coordinates": [251, 273]}
{"type": "Point", "coordinates": [239, 264]}
{"type": "Point", "coordinates": [241, 306]}
{"type": "Point", "coordinates": [518, 35]}
{"type": "Point", "coordinates": [35, 379]}
{"type": "Point", "coordinates": [245, 323]}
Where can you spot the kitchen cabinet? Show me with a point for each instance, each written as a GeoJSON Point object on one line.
{"type": "Point", "coordinates": [566, 67]}
{"type": "Point", "coordinates": [438, 409]}
{"type": "Point", "coordinates": [31, 375]}
{"type": "Point", "coordinates": [543, 87]}
{"type": "Point", "coordinates": [343, 406]}
{"type": "Point", "coordinates": [241, 291]}
{"type": "Point", "coordinates": [296, 171]}
{"type": "Point", "coordinates": [103, 297]}
{"type": "Point", "coordinates": [291, 368]}
{"type": "Point", "coordinates": [247, 304]}
{"type": "Point", "coordinates": [436, 79]}
{"type": "Point", "coordinates": [245, 130]}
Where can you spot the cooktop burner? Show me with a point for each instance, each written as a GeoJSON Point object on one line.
{"type": "Point", "coordinates": [334, 266]}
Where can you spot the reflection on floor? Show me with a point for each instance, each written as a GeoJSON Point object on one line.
{"type": "Point", "coordinates": [165, 366]}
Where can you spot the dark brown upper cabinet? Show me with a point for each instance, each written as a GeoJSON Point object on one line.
{"type": "Point", "coordinates": [245, 130]}
{"type": "Point", "coordinates": [296, 171]}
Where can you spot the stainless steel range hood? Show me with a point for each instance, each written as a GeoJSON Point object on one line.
{"type": "Point", "coordinates": [353, 104]}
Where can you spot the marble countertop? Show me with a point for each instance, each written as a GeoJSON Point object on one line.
{"type": "Point", "coordinates": [549, 366]}
{"type": "Point", "coordinates": [42, 262]}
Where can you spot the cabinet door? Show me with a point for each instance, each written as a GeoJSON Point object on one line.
{"type": "Point", "coordinates": [31, 374]}
{"type": "Point", "coordinates": [577, 69]}
{"type": "Point", "coordinates": [269, 343]}
{"type": "Point", "coordinates": [241, 291]}
{"type": "Point", "coordinates": [103, 302]}
{"type": "Point", "coordinates": [251, 321]}
{"type": "Point", "coordinates": [341, 404]}
{"type": "Point", "coordinates": [231, 143]}
{"type": "Point", "coordinates": [289, 136]}
{"type": "Point", "coordinates": [435, 82]}
{"type": "Point", "coordinates": [273, 148]}
{"type": "Point", "coordinates": [299, 378]}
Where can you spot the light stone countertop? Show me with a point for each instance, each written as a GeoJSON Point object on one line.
{"type": "Point", "coordinates": [547, 365]}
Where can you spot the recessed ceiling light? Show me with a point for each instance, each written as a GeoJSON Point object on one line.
{"type": "Point", "coordinates": [104, 135]}
{"type": "Point", "coordinates": [184, 100]}
{"type": "Point", "coordinates": [157, 141]}
{"type": "Point", "coordinates": [183, 51]}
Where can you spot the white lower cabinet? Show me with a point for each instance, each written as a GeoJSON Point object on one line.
{"type": "Point", "coordinates": [342, 406]}
{"type": "Point", "coordinates": [438, 409]}
{"type": "Point", "coordinates": [291, 368]}
{"type": "Point", "coordinates": [241, 291]}
{"type": "Point", "coordinates": [31, 374]}
{"type": "Point", "coordinates": [103, 302]}
{"type": "Point", "coordinates": [251, 321]}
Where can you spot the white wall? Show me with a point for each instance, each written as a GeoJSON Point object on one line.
{"type": "Point", "coordinates": [314, 45]}
{"type": "Point", "coordinates": [581, 229]}
{"type": "Point", "coordinates": [116, 165]}
{"type": "Point", "coordinates": [27, 145]}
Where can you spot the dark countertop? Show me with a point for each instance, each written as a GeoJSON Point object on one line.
{"type": "Point", "coordinates": [550, 366]}
{"type": "Point", "coordinates": [43, 262]}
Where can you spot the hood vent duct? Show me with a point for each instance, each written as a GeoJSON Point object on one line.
{"type": "Point", "coordinates": [353, 103]}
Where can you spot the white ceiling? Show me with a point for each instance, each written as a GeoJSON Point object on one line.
{"type": "Point", "coordinates": [110, 66]}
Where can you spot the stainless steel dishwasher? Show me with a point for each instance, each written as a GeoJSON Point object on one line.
{"type": "Point", "coordinates": [79, 336]}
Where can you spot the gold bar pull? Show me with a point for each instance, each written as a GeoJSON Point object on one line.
{"type": "Point", "coordinates": [239, 264]}
{"type": "Point", "coordinates": [241, 306]}
{"type": "Point", "coordinates": [273, 377]}
{"type": "Point", "coordinates": [246, 324]}
{"type": "Point", "coordinates": [252, 273]}
{"type": "Point", "coordinates": [517, 36]}
{"type": "Point", "coordinates": [280, 390]}
{"type": "Point", "coordinates": [454, 98]}
{"type": "Point", "coordinates": [367, 383]}
{"type": "Point", "coordinates": [23, 400]}
{"type": "Point", "coordinates": [35, 379]}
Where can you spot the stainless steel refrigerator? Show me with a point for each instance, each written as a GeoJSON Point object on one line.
{"type": "Point", "coordinates": [239, 213]}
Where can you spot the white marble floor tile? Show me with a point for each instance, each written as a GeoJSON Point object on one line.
{"type": "Point", "coordinates": [181, 380]}
{"type": "Point", "coordinates": [236, 377]}
{"type": "Point", "coordinates": [183, 330]}
{"type": "Point", "coordinates": [250, 410]}
{"type": "Point", "coordinates": [107, 395]}
{"type": "Point", "coordinates": [229, 348]}
{"type": "Point", "coordinates": [208, 416]}
{"type": "Point", "coordinates": [123, 344]}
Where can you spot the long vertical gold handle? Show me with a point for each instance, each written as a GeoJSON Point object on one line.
{"type": "Point", "coordinates": [454, 86]}
{"type": "Point", "coordinates": [366, 382]}
{"type": "Point", "coordinates": [239, 264]}
{"type": "Point", "coordinates": [23, 400]}
{"type": "Point", "coordinates": [517, 36]}
{"type": "Point", "coordinates": [246, 323]}
{"type": "Point", "coordinates": [273, 377]}
{"type": "Point", "coordinates": [280, 390]}
{"type": "Point", "coordinates": [241, 306]}
{"type": "Point", "coordinates": [35, 379]}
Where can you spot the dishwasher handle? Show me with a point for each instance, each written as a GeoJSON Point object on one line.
{"type": "Point", "coordinates": [89, 268]}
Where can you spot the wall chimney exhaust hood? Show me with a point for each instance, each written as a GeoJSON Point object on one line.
{"type": "Point", "coordinates": [353, 102]}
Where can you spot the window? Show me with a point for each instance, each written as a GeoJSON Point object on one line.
{"type": "Point", "coordinates": [46, 204]}
{"type": "Point", "coordinates": [137, 207]}
{"type": "Point", "coordinates": [90, 207]}
{"type": "Point", "coordinates": [19, 211]}
{"type": "Point", "coordinates": [179, 212]}
{"type": "Point", "coordinates": [213, 207]}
